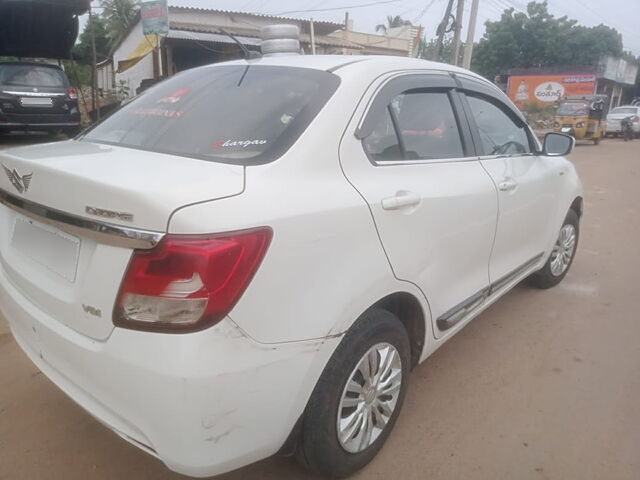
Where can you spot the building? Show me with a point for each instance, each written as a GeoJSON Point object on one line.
{"type": "Point", "coordinates": [196, 37]}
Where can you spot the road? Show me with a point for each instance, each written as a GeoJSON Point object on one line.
{"type": "Point", "coordinates": [543, 385]}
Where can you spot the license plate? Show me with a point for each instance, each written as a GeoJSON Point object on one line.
{"type": "Point", "coordinates": [565, 129]}
{"type": "Point", "coordinates": [50, 247]}
{"type": "Point", "coordinates": [36, 102]}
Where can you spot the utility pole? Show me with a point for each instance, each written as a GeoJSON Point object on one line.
{"type": "Point", "coordinates": [468, 48]}
{"type": "Point", "coordinates": [442, 29]}
{"type": "Point", "coordinates": [94, 61]}
{"type": "Point", "coordinates": [455, 58]}
{"type": "Point", "coordinates": [312, 34]}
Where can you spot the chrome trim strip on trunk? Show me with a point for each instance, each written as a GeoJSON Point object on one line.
{"type": "Point", "coordinates": [101, 232]}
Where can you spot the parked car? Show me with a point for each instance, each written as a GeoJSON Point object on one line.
{"type": "Point", "coordinates": [37, 96]}
{"type": "Point", "coordinates": [250, 257]}
{"type": "Point", "coordinates": [615, 117]}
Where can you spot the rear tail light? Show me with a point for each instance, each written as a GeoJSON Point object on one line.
{"type": "Point", "coordinates": [72, 94]}
{"type": "Point", "coordinates": [189, 282]}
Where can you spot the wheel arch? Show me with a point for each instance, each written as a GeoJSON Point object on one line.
{"type": "Point", "coordinates": [409, 311]}
{"type": "Point", "coordinates": [577, 206]}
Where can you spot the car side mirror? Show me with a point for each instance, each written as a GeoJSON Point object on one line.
{"type": "Point", "coordinates": [558, 144]}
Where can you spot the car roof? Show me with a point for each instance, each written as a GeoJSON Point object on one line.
{"type": "Point", "coordinates": [333, 63]}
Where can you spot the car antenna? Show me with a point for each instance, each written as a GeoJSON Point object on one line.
{"type": "Point", "coordinates": [248, 54]}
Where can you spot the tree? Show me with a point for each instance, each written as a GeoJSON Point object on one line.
{"type": "Point", "coordinates": [118, 15]}
{"type": "Point", "coordinates": [82, 51]}
{"type": "Point", "coordinates": [428, 49]}
{"type": "Point", "coordinates": [392, 22]}
{"type": "Point", "coordinates": [538, 39]}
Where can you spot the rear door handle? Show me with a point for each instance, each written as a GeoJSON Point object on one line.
{"type": "Point", "coordinates": [507, 185]}
{"type": "Point", "coordinates": [401, 199]}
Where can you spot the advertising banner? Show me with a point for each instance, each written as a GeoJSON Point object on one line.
{"type": "Point", "coordinates": [547, 89]}
{"type": "Point", "coordinates": [155, 17]}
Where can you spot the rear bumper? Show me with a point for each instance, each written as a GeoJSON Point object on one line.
{"type": "Point", "coordinates": [617, 128]}
{"type": "Point", "coordinates": [35, 121]}
{"type": "Point", "coordinates": [203, 403]}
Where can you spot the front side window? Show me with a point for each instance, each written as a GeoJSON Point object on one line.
{"type": "Point", "coordinates": [425, 128]}
{"type": "Point", "coordinates": [499, 133]}
{"type": "Point", "coordinates": [244, 114]}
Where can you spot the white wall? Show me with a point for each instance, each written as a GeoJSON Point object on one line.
{"type": "Point", "coordinates": [143, 69]}
{"type": "Point", "coordinates": [104, 77]}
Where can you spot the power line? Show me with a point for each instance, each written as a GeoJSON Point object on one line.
{"type": "Point", "coordinates": [423, 11]}
{"type": "Point", "coordinates": [380, 2]}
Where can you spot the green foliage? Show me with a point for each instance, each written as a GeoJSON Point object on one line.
{"type": "Point", "coordinates": [538, 39]}
{"type": "Point", "coordinates": [107, 27]}
{"type": "Point", "coordinates": [392, 22]}
{"type": "Point", "coordinates": [427, 50]}
{"type": "Point", "coordinates": [533, 108]}
{"type": "Point", "coordinates": [123, 90]}
{"type": "Point", "coordinates": [118, 15]}
{"type": "Point", "coordinates": [79, 74]}
{"type": "Point", "coordinates": [82, 52]}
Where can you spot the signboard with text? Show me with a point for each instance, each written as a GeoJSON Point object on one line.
{"type": "Point", "coordinates": [547, 89]}
{"type": "Point", "coordinates": [155, 17]}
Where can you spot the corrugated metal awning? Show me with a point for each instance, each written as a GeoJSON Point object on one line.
{"type": "Point", "coordinates": [210, 37]}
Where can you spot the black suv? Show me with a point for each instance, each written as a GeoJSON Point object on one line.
{"type": "Point", "coordinates": [37, 96]}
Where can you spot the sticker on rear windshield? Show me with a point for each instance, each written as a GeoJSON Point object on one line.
{"type": "Point", "coordinates": [176, 96]}
{"type": "Point", "coordinates": [238, 143]}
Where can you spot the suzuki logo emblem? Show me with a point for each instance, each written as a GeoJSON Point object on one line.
{"type": "Point", "coordinates": [20, 182]}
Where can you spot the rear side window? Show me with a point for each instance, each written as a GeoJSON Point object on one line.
{"type": "Point", "coordinates": [426, 125]}
{"type": "Point", "coordinates": [383, 144]}
{"type": "Point", "coordinates": [236, 114]}
{"type": "Point", "coordinates": [499, 133]}
{"type": "Point", "coordinates": [32, 76]}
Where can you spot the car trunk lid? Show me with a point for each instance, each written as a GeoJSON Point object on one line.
{"type": "Point", "coordinates": [73, 273]}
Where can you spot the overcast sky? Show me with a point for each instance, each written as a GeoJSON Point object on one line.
{"type": "Point", "coordinates": [623, 15]}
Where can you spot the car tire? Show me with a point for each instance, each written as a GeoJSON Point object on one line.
{"type": "Point", "coordinates": [562, 255]}
{"type": "Point", "coordinates": [319, 448]}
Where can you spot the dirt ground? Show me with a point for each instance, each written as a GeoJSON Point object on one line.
{"type": "Point", "coordinates": [543, 385]}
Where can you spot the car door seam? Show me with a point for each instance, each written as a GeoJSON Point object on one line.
{"type": "Point", "coordinates": [375, 226]}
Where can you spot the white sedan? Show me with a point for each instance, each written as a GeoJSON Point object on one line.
{"type": "Point", "coordinates": [250, 257]}
{"type": "Point", "coordinates": [618, 114]}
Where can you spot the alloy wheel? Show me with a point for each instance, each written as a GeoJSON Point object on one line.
{"type": "Point", "coordinates": [369, 398]}
{"type": "Point", "coordinates": [563, 250]}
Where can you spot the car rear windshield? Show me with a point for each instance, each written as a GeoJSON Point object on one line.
{"type": "Point", "coordinates": [32, 76]}
{"type": "Point", "coordinates": [629, 110]}
{"type": "Point", "coordinates": [242, 114]}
